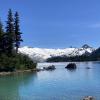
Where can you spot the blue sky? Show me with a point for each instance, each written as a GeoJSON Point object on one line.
{"type": "Point", "coordinates": [56, 23]}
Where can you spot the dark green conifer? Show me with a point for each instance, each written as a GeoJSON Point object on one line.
{"type": "Point", "coordinates": [18, 38]}
{"type": "Point", "coordinates": [1, 37]}
{"type": "Point", "coordinates": [10, 34]}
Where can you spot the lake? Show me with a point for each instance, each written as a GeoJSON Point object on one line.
{"type": "Point", "coordinates": [60, 84]}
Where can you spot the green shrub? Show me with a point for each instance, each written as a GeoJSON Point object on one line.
{"type": "Point", "coordinates": [16, 62]}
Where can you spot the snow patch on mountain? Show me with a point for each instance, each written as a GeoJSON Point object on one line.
{"type": "Point", "coordinates": [41, 54]}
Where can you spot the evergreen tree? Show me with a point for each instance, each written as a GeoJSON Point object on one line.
{"type": "Point", "coordinates": [1, 37]}
{"type": "Point", "coordinates": [9, 60]}
{"type": "Point", "coordinates": [10, 34]}
{"type": "Point", "coordinates": [18, 38]}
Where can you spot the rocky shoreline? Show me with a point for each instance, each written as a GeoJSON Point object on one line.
{"type": "Point", "coordinates": [19, 71]}
{"type": "Point", "coordinates": [52, 67]}
{"type": "Point", "coordinates": [49, 68]}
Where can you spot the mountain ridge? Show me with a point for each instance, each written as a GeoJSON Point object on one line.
{"type": "Point", "coordinates": [41, 54]}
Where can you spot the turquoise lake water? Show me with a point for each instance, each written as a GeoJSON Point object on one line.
{"type": "Point", "coordinates": [60, 84]}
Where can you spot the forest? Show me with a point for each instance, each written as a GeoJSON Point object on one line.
{"type": "Point", "coordinates": [10, 41]}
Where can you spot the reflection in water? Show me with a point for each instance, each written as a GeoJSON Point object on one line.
{"type": "Point", "coordinates": [71, 70]}
{"type": "Point", "coordinates": [60, 84]}
{"type": "Point", "coordinates": [10, 85]}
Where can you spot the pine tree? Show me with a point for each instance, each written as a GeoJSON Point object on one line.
{"type": "Point", "coordinates": [18, 38]}
{"type": "Point", "coordinates": [10, 34]}
{"type": "Point", "coordinates": [1, 38]}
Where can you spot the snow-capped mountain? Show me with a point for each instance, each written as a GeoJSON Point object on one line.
{"type": "Point", "coordinates": [41, 54]}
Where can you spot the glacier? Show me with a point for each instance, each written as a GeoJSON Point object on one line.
{"type": "Point", "coordinates": [41, 54]}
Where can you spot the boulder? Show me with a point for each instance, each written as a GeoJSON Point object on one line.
{"type": "Point", "coordinates": [89, 98]}
{"type": "Point", "coordinates": [52, 67]}
{"type": "Point", "coordinates": [71, 66]}
{"type": "Point", "coordinates": [87, 67]}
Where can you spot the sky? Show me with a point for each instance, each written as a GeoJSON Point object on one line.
{"type": "Point", "coordinates": [56, 23]}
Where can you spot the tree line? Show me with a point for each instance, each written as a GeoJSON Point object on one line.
{"type": "Point", "coordinates": [10, 40]}
{"type": "Point", "coordinates": [10, 36]}
{"type": "Point", "coordinates": [94, 56]}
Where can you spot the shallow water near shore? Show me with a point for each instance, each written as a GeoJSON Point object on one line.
{"type": "Point", "coordinates": [59, 84]}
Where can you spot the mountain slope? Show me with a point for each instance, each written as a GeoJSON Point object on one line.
{"type": "Point", "coordinates": [41, 54]}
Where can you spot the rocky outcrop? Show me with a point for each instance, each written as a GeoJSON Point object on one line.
{"type": "Point", "coordinates": [88, 68]}
{"type": "Point", "coordinates": [71, 66]}
{"type": "Point", "coordinates": [52, 67]}
{"type": "Point", "coordinates": [89, 98]}
{"type": "Point", "coordinates": [86, 46]}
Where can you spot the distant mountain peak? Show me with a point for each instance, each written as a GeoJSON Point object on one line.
{"type": "Point", "coordinates": [41, 54]}
{"type": "Point", "coordinates": [86, 46]}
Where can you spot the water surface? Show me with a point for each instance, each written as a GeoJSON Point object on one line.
{"type": "Point", "coordinates": [60, 84]}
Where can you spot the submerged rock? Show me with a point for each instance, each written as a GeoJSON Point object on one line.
{"type": "Point", "coordinates": [89, 98]}
{"type": "Point", "coordinates": [71, 66]}
{"type": "Point", "coordinates": [52, 67]}
{"type": "Point", "coordinates": [88, 68]}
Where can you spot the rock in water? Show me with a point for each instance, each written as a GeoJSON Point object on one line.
{"type": "Point", "coordinates": [71, 66]}
{"type": "Point", "coordinates": [52, 67]}
{"type": "Point", "coordinates": [87, 67]}
{"type": "Point", "coordinates": [89, 98]}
